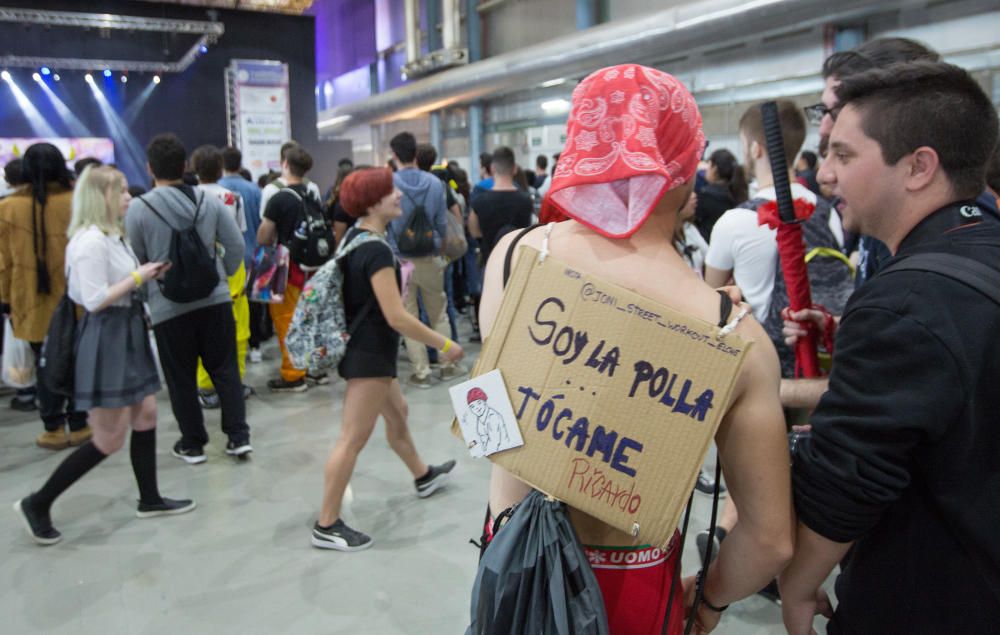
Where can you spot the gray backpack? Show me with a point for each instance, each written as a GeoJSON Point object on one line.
{"type": "Point", "coordinates": [318, 335]}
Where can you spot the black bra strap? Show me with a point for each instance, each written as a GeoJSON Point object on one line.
{"type": "Point", "coordinates": [510, 252]}
{"type": "Point", "coordinates": [725, 307]}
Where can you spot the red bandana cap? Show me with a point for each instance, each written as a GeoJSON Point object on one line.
{"type": "Point", "coordinates": [634, 133]}
{"type": "Point", "coordinates": [474, 394]}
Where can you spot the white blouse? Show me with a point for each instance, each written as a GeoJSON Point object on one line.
{"type": "Point", "coordinates": [94, 262]}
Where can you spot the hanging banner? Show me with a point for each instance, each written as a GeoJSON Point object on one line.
{"type": "Point", "coordinates": [261, 112]}
{"type": "Point", "coordinates": [73, 148]}
{"type": "Point", "coordinates": [617, 396]}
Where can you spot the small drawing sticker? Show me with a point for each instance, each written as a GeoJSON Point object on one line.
{"type": "Point", "coordinates": [485, 415]}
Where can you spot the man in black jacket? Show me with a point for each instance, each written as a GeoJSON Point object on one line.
{"type": "Point", "coordinates": [907, 429]}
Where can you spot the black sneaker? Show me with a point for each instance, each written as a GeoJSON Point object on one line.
{"type": "Point", "coordinates": [771, 592]}
{"type": "Point", "coordinates": [191, 456]}
{"type": "Point", "coordinates": [38, 525]}
{"type": "Point", "coordinates": [320, 379]}
{"type": "Point", "coordinates": [701, 541]}
{"type": "Point", "coordinates": [280, 385]}
{"type": "Point", "coordinates": [238, 447]}
{"type": "Point", "coordinates": [166, 507]}
{"type": "Point", "coordinates": [706, 485]}
{"type": "Point", "coordinates": [209, 399]}
{"type": "Point", "coordinates": [23, 405]}
{"type": "Point", "coordinates": [340, 537]}
{"type": "Point", "coordinates": [434, 479]}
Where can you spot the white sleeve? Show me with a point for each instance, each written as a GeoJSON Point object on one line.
{"type": "Point", "coordinates": [312, 187]}
{"type": "Point", "coordinates": [240, 213]}
{"type": "Point", "coordinates": [89, 268]}
{"type": "Point", "coordinates": [269, 190]}
{"type": "Point", "coordinates": [720, 247]}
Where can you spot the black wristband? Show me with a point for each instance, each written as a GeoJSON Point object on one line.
{"type": "Point", "coordinates": [700, 590]}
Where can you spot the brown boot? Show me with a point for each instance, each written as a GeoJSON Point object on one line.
{"type": "Point", "coordinates": [81, 436]}
{"type": "Point", "coordinates": [53, 440]}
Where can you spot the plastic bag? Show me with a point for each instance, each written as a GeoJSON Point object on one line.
{"type": "Point", "coordinates": [454, 244]}
{"type": "Point", "coordinates": [18, 360]}
{"type": "Point", "coordinates": [268, 275]}
{"type": "Point", "coordinates": [534, 577]}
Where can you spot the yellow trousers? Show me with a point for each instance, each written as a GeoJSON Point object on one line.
{"type": "Point", "coordinates": [241, 313]}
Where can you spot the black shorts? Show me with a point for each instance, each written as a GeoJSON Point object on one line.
{"type": "Point", "coordinates": [358, 363]}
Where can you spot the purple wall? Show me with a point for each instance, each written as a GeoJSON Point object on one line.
{"type": "Point", "coordinates": [345, 36]}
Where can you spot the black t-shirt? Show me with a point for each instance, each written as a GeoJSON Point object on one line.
{"type": "Point", "coordinates": [340, 215]}
{"type": "Point", "coordinates": [500, 212]}
{"type": "Point", "coordinates": [904, 447]}
{"type": "Point", "coordinates": [374, 333]}
{"type": "Point", "coordinates": [283, 209]}
{"type": "Point", "coordinates": [713, 201]}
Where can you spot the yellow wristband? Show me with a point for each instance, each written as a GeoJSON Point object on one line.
{"type": "Point", "coordinates": [447, 345]}
{"type": "Point", "coordinates": [137, 278]}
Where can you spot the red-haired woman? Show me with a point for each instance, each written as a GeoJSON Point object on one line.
{"type": "Point", "coordinates": [372, 286]}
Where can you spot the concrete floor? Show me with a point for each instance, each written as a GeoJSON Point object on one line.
{"type": "Point", "coordinates": [241, 562]}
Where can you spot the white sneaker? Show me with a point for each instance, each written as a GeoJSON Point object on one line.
{"type": "Point", "coordinates": [255, 356]}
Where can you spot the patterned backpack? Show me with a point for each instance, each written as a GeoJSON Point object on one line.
{"type": "Point", "coordinates": [318, 335]}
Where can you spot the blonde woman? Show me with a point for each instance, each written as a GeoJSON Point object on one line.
{"type": "Point", "coordinates": [116, 378]}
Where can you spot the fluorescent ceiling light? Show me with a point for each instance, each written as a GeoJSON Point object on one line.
{"type": "Point", "coordinates": [554, 106]}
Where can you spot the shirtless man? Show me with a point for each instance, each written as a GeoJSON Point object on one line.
{"type": "Point", "coordinates": [751, 437]}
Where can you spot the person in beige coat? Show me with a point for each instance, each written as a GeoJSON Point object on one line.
{"type": "Point", "coordinates": [33, 224]}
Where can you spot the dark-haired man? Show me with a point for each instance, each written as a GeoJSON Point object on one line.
{"type": "Point", "coordinates": [908, 422]}
{"type": "Point", "coordinates": [281, 217]}
{"type": "Point", "coordinates": [422, 190]}
{"type": "Point", "coordinates": [501, 209]}
{"type": "Point", "coordinates": [232, 180]}
{"type": "Point", "coordinates": [272, 186]}
{"type": "Point", "coordinates": [872, 254]}
{"type": "Point", "coordinates": [203, 328]}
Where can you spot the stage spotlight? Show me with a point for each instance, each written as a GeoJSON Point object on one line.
{"type": "Point", "coordinates": [89, 78]}
{"type": "Point", "coordinates": [56, 77]}
{"type": "Point", "coordinates": [45, 70]}
{"type": "Point", "coordinates": [203, 49]}
{"type": "Point", "coordinates": [76, 127]}
{"type": "Point", "coordinates": [107, 72]}
{"type": "Point", "coordinates": [36, 77]}
{"type": "Point", "coordinates": [156, 79]}
{"type": "Point", "coordinates": [38, 124]}
{"type": "Point", "coordinates": [124, 78]}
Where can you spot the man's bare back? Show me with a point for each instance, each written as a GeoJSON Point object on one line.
{"type": "Point", "coordinates": [647, 264]}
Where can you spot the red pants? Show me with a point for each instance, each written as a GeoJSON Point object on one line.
{"type": "Point", "coordinates": [635, 583]}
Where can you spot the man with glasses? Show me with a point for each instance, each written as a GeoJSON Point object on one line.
{"type": "Point", "coordinates": [877, 53]}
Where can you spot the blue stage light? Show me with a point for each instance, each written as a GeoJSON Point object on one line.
{"type": "Point", "coordinates": [107, 72]}
{"type": "Point", "coordinates": [203, 49]}
{"type": "Point", "coordinates": [45, 70]}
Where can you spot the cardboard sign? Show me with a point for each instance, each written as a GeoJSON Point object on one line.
{"type": "Point", "coordinates": [485, 414]}
{"type": "Point", "coordinates": [617, 397]}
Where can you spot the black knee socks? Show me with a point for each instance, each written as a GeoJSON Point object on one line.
{"type": "Point", "coordinates": [142, 450]}
{"type": "Point", "coordinates": [81, 461]}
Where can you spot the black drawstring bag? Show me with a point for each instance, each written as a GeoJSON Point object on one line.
{"type": "Point", "coordinates": [535, 578]}
{"type": "Point", "coordinates": [57, 362]}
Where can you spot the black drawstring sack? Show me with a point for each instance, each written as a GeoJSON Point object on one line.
{"type": "Point", "coordinates": [57, 362]}
{"type": "Point", "coordinates": [535, 578]}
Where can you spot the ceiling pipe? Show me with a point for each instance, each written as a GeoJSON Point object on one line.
{"type": "Point", "coordinates": [411, 11]}
{"type": "Point", "coordinates": [450, 24]}
{"type": "Point", "coordinates": [674, 31]}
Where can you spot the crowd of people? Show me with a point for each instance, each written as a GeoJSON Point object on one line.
{"type": "Point", "coordinates": [886, 443]}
